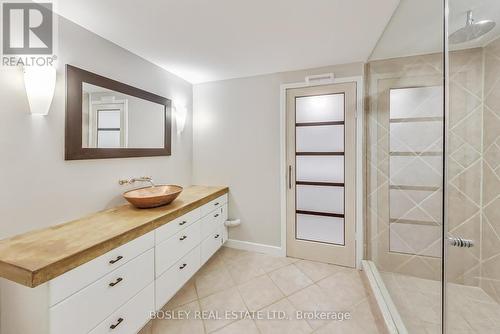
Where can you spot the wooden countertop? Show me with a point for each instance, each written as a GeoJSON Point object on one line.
{"type": "Point", "coordinates": [37, 257]}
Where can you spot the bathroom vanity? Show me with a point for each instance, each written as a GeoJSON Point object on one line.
{"type": "Point", "coordinates": [107, 272]}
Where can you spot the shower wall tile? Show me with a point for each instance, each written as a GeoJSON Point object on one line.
{"type": "Point", "coordinates": [468, 180]}
{"type": "Point", "coordinates": [465, 152]}
{"type": "Point", "coordinates": [402, 169]}
{"type": "Point", "coordinates": [465, 163]}
{"type": "Point", "coordinates": [490, 257]}
{"type": "Point", "coordinates": [461, 103]}
{"type": "Point", "coordinates": [415, 239]}
{"type": "Point", "coordinates": [466, 70]}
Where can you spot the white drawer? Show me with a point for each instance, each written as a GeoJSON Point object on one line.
{"type": "Point", "coordinates": [171, 250]}
{"type": "Point", "coordinates": [214, 204]}
{"type": "Point", "coordinates": [132, 316]}
{"type": "Point", "coordinates": [211, 222]}
{"type": "Point", "coordinates": [211, 244]}
{"type": "Point", "coordinates": [65, 285]}
{"type": "Point", "coordinates": [87, 308]}
{"type": "Point", "coordinates": [174, 278]}
{"type": "Point", "coordinates": [169, 229]}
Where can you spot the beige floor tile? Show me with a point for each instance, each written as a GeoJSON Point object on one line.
{"type": "Point", "coordinates": [346, 289]}
{"type": "Point", "coordinates": [343, 327]}
{"type": "Point", "coordinates": [190, 325]}
{"type": "Point", "coordinates": [214, 263]}
{"type": "Point", "coordinates": [271, 263]}
{"type": "Point", "coordinates": [147, 329]}
{"type": "Point", "coordinates": [245, 326]}
{"type": "Point", "coordinates": [367, 318]}
{"type": "Point", "coordinates": [221, 302]}
{"type": "Point", "coordinates": [290, 325]}
{"type": "Point", "coordinates": [317, 270]}
{"type": "Point", "coordinates": [290, 279]}
{"type": "Point", "coordinates": [229, 255]}
{"type": "Point", "coordinates": [212, 281]}
{"type": "Point", "coordinates": [242, 271]}
{"type": "Point", "coordinates": [259, 292]}
{"type": "Point", "coordinates": [311, 299]}
{"type": "Point", "coordinates": [470, 309]}
{"type": "Point", "coordinates": [185, 295]}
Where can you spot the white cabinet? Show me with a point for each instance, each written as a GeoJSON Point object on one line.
{"type": "Point", "coordinates": [174, 278]}
{"type": "Point", "coordinates": [207, 234]}
{"type": "Point", "coordinates": [166, 231]}
{"type": "Point", "coordinates": [211, 244]}
{"type": "Point", "coordinates": [131, 317]}
{"type": "Point", "coordinates": [116, 292]}
{"type": "Point", "coordinates": [211, 222]}
{"type": "Point", "coordinates": [84, 310]}
{"type": "Point", "coordinates": [171, 250]}
{"type": "Point", "coordinates": [214, 204]}
{"type": "Point", "coordinates": [65, 285]}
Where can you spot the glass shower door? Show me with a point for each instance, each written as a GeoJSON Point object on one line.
{"type": "Point", "coordinates": [472, 259]}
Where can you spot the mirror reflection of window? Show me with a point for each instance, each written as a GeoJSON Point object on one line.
{"type": "Point", "coordinates": [112, 119]}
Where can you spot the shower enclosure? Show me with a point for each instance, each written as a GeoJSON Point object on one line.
{"type": "Point", "coordinates": [433, 166]}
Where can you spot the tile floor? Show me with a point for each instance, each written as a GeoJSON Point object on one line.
{"type": "Point", "coordinates": [418, 300]}
{"type": "Point", "coordinates": [235, 280]}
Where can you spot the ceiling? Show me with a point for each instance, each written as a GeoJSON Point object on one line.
{"type": "Point", "coordinates": [207, 40]}
{"type": "Point", "coordinates": [417, 27]}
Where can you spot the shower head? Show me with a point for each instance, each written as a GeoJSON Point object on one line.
{"type": "Point", "coordinates": [472, 30]}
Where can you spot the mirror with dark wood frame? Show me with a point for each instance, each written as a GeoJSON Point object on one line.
{"type": "Point", "coordinates": [109, 119]}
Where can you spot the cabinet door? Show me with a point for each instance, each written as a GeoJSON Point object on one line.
{"type": "Point", "coordinates": [84, 310]}
{"type": "Point", "coordinates": [211, 244]}
{"type": "Point", "coordinates": [171, 250]}
{"type": "Point", "coordinates": [132, 316]}
{"type": "Point", "coordinates": [174, 278]}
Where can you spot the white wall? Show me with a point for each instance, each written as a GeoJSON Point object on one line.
{"type": "Point", "coordinates": [237, 143]}
{"type": "Point", "coordinates": [39, 188]}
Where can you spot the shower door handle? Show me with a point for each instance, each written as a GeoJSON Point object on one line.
{"type": "Point", "coordinates": [289, 176]}
{"type": "Point", "coordinates": [460, 242]}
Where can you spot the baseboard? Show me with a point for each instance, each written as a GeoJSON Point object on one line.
{"type": "Point", "coordinates": [392, 319]}
{"type": "Point", "coordinates": [254, 247]}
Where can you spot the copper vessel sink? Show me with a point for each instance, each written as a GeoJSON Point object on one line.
{"type": "Point", "coordinates": [152, 197]}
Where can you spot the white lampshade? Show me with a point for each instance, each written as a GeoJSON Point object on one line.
{"type": "Point", "coordinates": [180, 116]}
{"type": "Point", "coordinates": [40, 83]}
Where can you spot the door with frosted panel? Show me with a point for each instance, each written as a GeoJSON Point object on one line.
{"type": "Point", "coordinates": [108, 125]}
{"type": "Point", "coordinates": [321, 173]}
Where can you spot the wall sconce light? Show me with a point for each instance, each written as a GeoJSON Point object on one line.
{"type": "Point", "coordinates": [180, 116]}
{"type": "Point", "coordinates": [40, 84]}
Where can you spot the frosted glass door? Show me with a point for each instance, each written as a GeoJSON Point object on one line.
{"type": "Point", "coordinates": [319, 162]}
{"type": "Point", "coordinates": [321, 173]}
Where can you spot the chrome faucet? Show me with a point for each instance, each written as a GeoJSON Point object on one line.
{"type": "Point", "coordinates": [138, 179]}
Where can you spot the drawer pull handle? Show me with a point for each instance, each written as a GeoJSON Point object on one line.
{"type": "Point", "coordinates": [216, 215]}
{"type": "Point", "coordinates": [216, 236]}
{"type": "Point", "coordinates": [116, 260]}
{"type": "Point", "coordinates": [182, 238]}
{"type": "Point", "coordinates": [118, 322]}
{"type": "Point", "coordinates": [183, 266]}
{"type": "Point", "coordinates": [216, 203]}
{"type": "Point", "coordinates": [118, 280]}
{"type": "Point", "coordinates": [182, 222]}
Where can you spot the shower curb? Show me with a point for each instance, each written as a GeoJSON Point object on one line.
{"type": "Point", "coordinates": [393, 322]}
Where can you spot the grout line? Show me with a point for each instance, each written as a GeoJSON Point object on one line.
{"type": "Point", "coordinates": [285, 296]}
{"type": "Point", "coordinates": [481, 177]}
